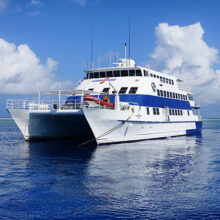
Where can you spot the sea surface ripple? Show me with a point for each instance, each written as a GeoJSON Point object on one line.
{"type": "Point", "coordinates": [173, 178]}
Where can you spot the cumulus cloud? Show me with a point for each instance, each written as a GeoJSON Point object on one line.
{"type": "Point", "coordinates": [3, 5]}
{"type": "Point", "coordinates": [21, 71]}
{"type": "Point", "coordinates": [182, 51]}
{"type": "Point", "coordinates": [80, 2]}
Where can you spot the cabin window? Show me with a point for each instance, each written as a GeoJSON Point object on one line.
{"type": "Point", "coordinates": [91, 75]}
{"type": "Point", "coordinates": [161, 93]}
{"type": "Point", "coordinates": [109, 74]}
{"type": "Point", "coordinates": [173, 112]}
{"type": "Point", "coordinates": [181, 112]}
{"type": "Point", "coordinates": [116, 73]}
{"type": "Point", "coordinates": [172, 82]}
{"type": "Point", "coordinates": [124, 73]}
{"type": "Point", "coordinates": [166, 80]}
{"type": "Point", "coordinates": [151, 75]}
{"type": "Point", "coordinates": [133, 90]}
{"type": "Point", "coordinates": [138, 73]}
{"type": "Point", "coordinates": [96, 75]}
{"type": "Point", "coordinates": [190, 96]}
{"type": "Point", "coordinates": [145, 73]}
{"type": "Point", "coordinates": [123, 90]}
{"type": "Point", "coordinates": [158, 92]}
{"type": "Point", "coordinates": [156, 111]}
{"type": "Point", "coordinates": [178, 112]}
{"type": "Point", "coordinates": [91, 89]}
{"type": "Point", "coordinates": [171, 95]}
{"type": "Point", "coordinates": [105, 90]}
{"type": "Point", "coordinates": [170, 111]}
{"type": "Point", "coordinates": [131, 72]}
{"type": "Point", "coordinates": [155, 76]}
{"type": "Point", "coordinates": [168, 94]}
{"type": "Point", "coordinates": [165, 94]}
{"type": "Point", "coordinates": [169, 81]}
{"type": "Point", "coordinates": [158, 77]}
{"type": "Point", "coordinates": [102, 75]}
{"type": "Point", "coordinates": [188, 112]}
{"type": "Point", "coordinates": [161, 79]}
{"type": "Point", "coordinates": [148, 111]}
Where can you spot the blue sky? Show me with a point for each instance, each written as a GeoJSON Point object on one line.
{"type": "Point", "coordinates": [61, 30]}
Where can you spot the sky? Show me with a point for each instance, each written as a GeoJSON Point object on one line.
{"type": "Point", "coordinates": [43, 42]}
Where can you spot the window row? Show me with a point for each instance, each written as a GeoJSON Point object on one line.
{"type": "Point", "coordinates": [163, 79]}
{"type": "Point", "coordinates": [172, 95]}
{"type": "Point", "coordinates": [175, 112]}
{"type": "Point", "coordinates": [116, 73]}
{"type": "Point", "coordinates": [156, 111]}
{"type": "Point", "coordinates": [123, 90]}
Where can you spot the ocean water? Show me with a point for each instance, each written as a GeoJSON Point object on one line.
{"type": "Point", "coordinates": [174, 178]}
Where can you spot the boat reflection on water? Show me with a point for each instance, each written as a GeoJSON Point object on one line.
{"type": "Point", "coordinates": [139, 178]}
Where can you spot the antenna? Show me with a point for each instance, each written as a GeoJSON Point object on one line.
{"type": "Point", "coordinates": [126, 51]}
{"type": "Point", "coordinates": [129, 41]}
{"type": "Point", "coordinates": [92, 49]}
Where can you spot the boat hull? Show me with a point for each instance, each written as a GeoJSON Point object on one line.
{"type": "Point", "coordinates": [121, 126]}
{"type": "Point", "coordinates": [45, 124]}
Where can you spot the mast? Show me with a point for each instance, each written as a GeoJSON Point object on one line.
{"type": "Point", "coordinates": [92, 49]}
{"type": "Point", "coordinates": [129, 41]}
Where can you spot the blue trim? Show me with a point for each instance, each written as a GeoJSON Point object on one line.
{"type": "Point", "coordinates": [161, 122]}
{"type": "Point", "coordinates": [143, 100]}
{"type": "Point", "coordinates": [195, 131]}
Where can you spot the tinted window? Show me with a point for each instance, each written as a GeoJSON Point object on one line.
{"type": "Point", "coordinates": [148, 112]}
{"type": "Point", "coordinates": [161, 93]}
{"type": "Point", "coordinates": [91, 89]}
{"type": "Point", "coordinates": [171, 95]}
{"type": "Point", "coordinates": [168, 94]}
{"type": "Point", "coordinates": [170, 111]}
{"type": "Point", "coordinates": [105, 90]}
{"type": "Point", "coordinates": [102, 74]}
{"type": "Point", "coordinates": [123, 90]}
{"type": "Point", "coordinates": [138, 73]}
{"type": "Point", "coordinates": [109, 74]}
{"type": "Point", "coordinates": [173, 112]}
{"type": "Point", "coordinates": [158, 92]}
{"type": "Point", "coordinates": [145, 73]}
{"type": "Point", "coordinates": [133, 90]}
{"type": "Point", "coordinates": [91, 75]}
{"type": "Point", "coordinates": [154, 111]}
{"type": "Point", "coordinates": [164, 94]}
{"type": "Point", "coordinates": [96, 75]}
{"type": "Point", "coordinates": [116, 73]}
{"type": "Point", "coordinates": [158, 111]}
{"type": "Point", "coordinates": [131, 72]}
{"type": "Point", "coordinates": [124, 73]}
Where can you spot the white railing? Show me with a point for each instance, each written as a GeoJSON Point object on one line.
{"type": "Point", "coordinates": [32, 104]}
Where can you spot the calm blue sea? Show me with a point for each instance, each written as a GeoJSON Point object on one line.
{"type": "Point", "coordinates": [175, 178]}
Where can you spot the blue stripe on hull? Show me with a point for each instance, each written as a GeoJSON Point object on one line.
{"type": "Point", "coordinates": [195, 131]}
{"type": "Point", "coordinates": [143, 100]}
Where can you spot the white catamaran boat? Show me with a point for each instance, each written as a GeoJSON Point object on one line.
{"type": "Point", "coordinates": [143, 104]}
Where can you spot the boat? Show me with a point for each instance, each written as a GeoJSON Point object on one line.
{"type": "Point", "coordinates": [142, 104]}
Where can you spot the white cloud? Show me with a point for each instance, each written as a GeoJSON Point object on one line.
{"type": "Point", "coordinates": [3, 5]}
{"type": "Point", "coordinates": [80, 2]}
{"type": "Point", "coordinates": [21, 71]}
{"type": "Point", "coordinates": [181, 51]}
{"type": "Point", "coordinates": [35, 3]}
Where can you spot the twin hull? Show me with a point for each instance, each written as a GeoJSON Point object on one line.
{"type": "Point", "coordinates": [107, 126]}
